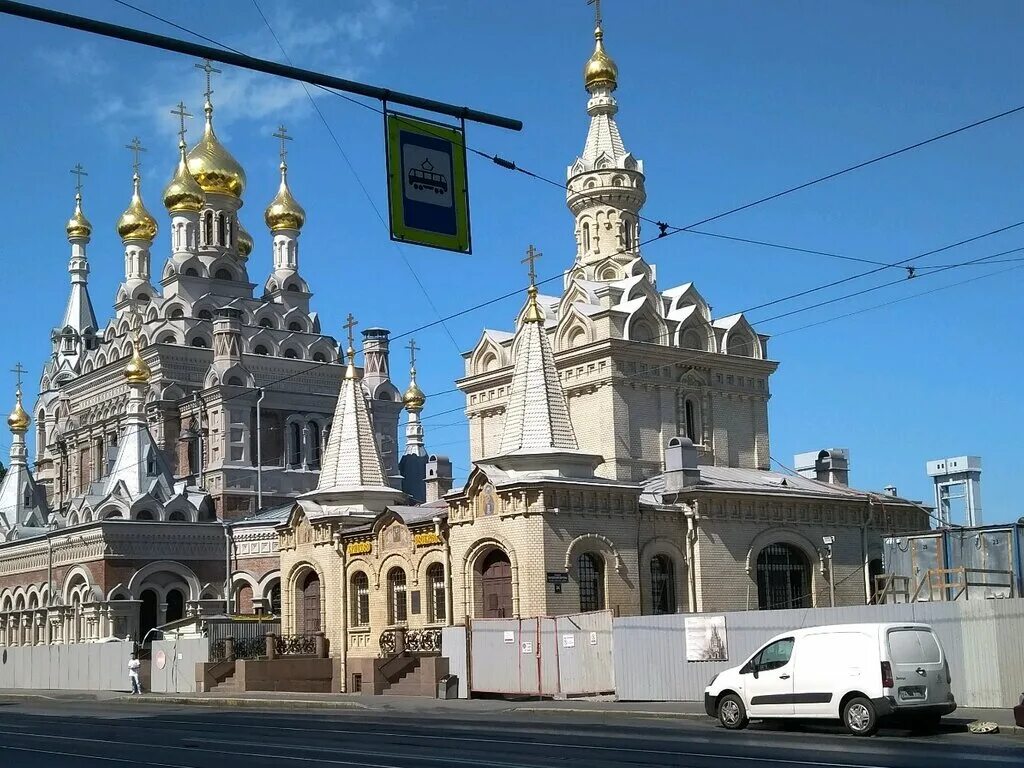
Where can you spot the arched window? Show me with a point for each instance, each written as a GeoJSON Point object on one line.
{"type": "Point", "coordinates": [319, 357]}
{"type": "Point", "coordinates": [690, 419]}
{"type": "Point", "coordinates": [234, 381]}
{"type": "Point", "coordinates": [293, 326]}
{"type": "Point", "coordinates": [739, 345]}
{"type": "Point", "coordinates": [590, 574]}
{"type": "Point", "coordinates": [291, 354]}
{"type": "Point", "coordinates": [266, 323]}
{"type": "Point", "coordinates": [360, 597]}
{"type": "Point", "coordinates": [144, 515]}
{"type": "Point", "coordinates": [435, 583]}
{"type": "Point", "coordinates": [175, 605]}
{"type": "Point", "coordinates": [627, 236]}
{"type": "Point", "coordinates": [191, 272]}
{"type": "Point", "coordinates": [260, 350]}
{"type": "Point", "coordinates": [221, 236]}
{"type": "Point", "coordinates": [663, 585]}
{"type": "Point", "coordinates": [223, 274]}
{"type": "Point", "coordinates": [150, 463]}
{"type": "Point", "coordinates": [199, 341]}
{"type": "Point", "coordinates": [295, 444]}
{"type": "Point", "coordinates": [167, 338]}
{"type": "Point", "coordinates": [609, 274]}
{"type": "Point", "coordinates": [692, 339]}
{"type": "Point", "coordinates": [314, 444]}
{"type": "Point", "coordinates": [177, 516]}
{"type": "Point", "coordinates": [586, 236]}
{"type": "Point", "coordinates": [293, 287]}
{"type": "Point", "coordinates": [208, 228]}
{"type": "Point", "coordinates": [396, 596]}
{"type": "Point", "coordinates": [783, 578]}
{"type": "Point", "coordinates": [274, 599]}
{"type": "Point", "coordinates": [205, 314]}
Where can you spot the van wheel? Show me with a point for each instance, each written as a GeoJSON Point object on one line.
{"type": "Point", "coordinates": [859, 717]}
{"type": "Point", "coordinates": [731, 712]}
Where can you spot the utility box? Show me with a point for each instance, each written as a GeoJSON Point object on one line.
{"type": "Point", "coordinates": [448, 687]}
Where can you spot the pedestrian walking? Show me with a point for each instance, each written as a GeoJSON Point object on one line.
{"type": "Point", "coordinates": [133, 674]}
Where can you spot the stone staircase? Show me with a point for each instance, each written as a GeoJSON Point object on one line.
{"type": "Point", "coordinates": [227, 685]}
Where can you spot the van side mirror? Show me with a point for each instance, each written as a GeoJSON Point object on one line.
{"type": "Point", "coordinates": [748, 668]}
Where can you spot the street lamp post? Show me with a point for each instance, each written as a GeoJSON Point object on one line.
{"type": "Point", "coordinates": [51, 526]}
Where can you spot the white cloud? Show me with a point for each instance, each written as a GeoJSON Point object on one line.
{"type": "Point", "coordinates": [340, 43]}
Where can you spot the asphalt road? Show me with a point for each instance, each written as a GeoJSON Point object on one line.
{"type": "Point", "coordinates": [140, 734]}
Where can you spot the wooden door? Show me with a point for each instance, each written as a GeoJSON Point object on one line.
{"type": "Point", "coordinates": [310, 601]}
{"type": "Point", "coordinates": [497, 586]}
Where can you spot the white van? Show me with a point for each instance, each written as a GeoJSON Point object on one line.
{"type": "Point", "coordinates": [858, 673]}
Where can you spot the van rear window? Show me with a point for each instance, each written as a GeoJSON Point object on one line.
{"type": "Point", "coordinates": [913, 646]}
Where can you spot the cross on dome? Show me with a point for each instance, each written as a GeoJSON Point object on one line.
{"type": "Point", "coordinates": [210, 70]}
{"type": "Point", "coordinates": [79, 172]}
{"type": "Point", "coordinates": [136, 148]}
{"type": "Point", "coordinates": [17, 370]}
{"type": "Point", "coordinates": [597, 11]}
{"type": "Point", "coordinates": [532, 254]}
{"type": "Point", "coordinates": [412, 347]}
{"type": "Point", "coordinates": [282, 134]}
{"type": "Point", "coordinates": [181, 113]}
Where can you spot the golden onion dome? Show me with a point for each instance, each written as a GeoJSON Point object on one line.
{"type": "Point", "coordinates": [600, 69]}
{"type": "Point", "coordinates": [183, 192]}
{"type": "Point", "coordinates": [18, 420]}
{"type": "Point", "coordinates": [414, 399]}
{"type": "Point", "coordinates": [136, 223]}
{"type": "Point", "coordinates": [78, 227]}
{"type": "Point", "coordinates": [244, 240]}
{"type": "Point", "coordinates": [213, 166]}
{"type": "Point", "coordinates": [136, 372]}
{"type": "Point", "coordinates": [284, 211]}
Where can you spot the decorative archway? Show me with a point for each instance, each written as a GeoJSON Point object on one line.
{"type": "Point", "coordinates": [496, 585]}
{"type": "Point", "coordinates": [476, 559]}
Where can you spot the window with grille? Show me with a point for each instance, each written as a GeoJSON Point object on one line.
{"type": "Point", "coordinates": [590, 571]}
{"type": "Point", "coordinates": [360, 597]}
{"type": "Point", "coordinates": [783, 578]}
{"type": "Point", "coordinates": [397, 606]}
{"type": "Point", "coordinates": [663, 590]}
{"type": "Point", "coordinates": [314, 444]}
{"type": "Point", "coordinates": [435, 581]}
{"type": "Point", "coordinates": [295, 444]}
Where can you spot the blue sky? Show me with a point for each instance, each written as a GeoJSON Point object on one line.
{"type": "Point", "coordinates": [724, 101]}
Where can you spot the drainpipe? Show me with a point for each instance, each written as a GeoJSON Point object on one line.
{"type": "Point", "coordinates": [199, 436]}
{"type": "Point", "coordinates": [259, 450]}
{"type": "Point", "coordinates": [227, 567]}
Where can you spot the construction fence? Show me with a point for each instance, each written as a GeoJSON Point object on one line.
{"type": "Point", "coordinates": [78, 667]}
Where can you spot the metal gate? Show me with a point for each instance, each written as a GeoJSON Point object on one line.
{"type": "Point", "coordinates": [543, 656]}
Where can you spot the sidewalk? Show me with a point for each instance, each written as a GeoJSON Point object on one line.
{"type": "Point", "coordinates": [425, 706]}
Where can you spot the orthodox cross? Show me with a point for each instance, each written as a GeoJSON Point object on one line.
{"type": "Point", "coordinates": [350, 325]}
{"type": "Point", "coordinates": [532, 254]}
{"type": "Point", "coordinates": [17, 370]}
{"type": "Point", "coordinates": [137, 149]}
{"type": "Point", "coordinates": [597, 11]}
{"type": "Point", "coordinates": [282, 134]}
{"type": "Point", "coordinates": [79, 173]}
{"type": "Point", "coordinates": [411, 346]}
{"type": "Point", "coordinates": [209, 69]}
{"type": "Point", "coordinates": [182, 113]}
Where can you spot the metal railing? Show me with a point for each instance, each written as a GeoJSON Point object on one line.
{"type": "Point", "coordinates": [939, 584]}
{"type": "Point", "coordinates": [396, 641]}
{"type": "Point", "coordinates": [251, 648]}
{"type": "Point", "coordinates": [295, 645]}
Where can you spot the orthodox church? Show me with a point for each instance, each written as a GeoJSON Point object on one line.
{"type": "Point", "coordinates": [618, 435]}
{"type": "Point", "coordinates": [202, 401]}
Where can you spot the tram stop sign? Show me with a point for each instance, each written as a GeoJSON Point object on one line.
{"type": "Point", "coordinates": [428, 189]}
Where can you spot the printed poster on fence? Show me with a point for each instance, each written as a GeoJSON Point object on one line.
{"type": "Point", "coordinates": [706, 639]}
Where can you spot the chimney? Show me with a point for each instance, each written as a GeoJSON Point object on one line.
{"type": "Point", "coordinates": [831, 465]}
{"type": "Point", "coordinates": [439, 477]}
{"type": "Point", "coordinates": [890, 490]}
{"type": "Point", "coordinates": [681, 470]}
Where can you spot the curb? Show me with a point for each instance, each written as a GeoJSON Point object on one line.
{"type": "Point", "coordinates": [237, 702]}
{"type": "Point", "coordinates": [627, 712]}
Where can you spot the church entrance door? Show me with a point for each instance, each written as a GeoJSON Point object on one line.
{"type": "Point", "coordinates": [147, 612]}
{"type": "Point", "coordinates": [309, 605]}
{"type": "Point", "coordinates": [497, 585]}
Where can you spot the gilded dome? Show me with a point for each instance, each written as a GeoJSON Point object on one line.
{"type": "Point", "coordinates": [600, 69]}
{"type": "Point", "coordinates": [284, 211]}
{"type": "Point", "coordinates": [213, 166]}
{"type": "Point", "coordinates": [136, 372]}
{"type": "Point", "coordinates": [18, 419]}
{"type": "Point", "coordinates": [183, 192]}
{"type": "Point", "coordinates": [136, 223]}
{"type": "Point", "coordinates": [244, 240]}
{"type": "Point", "coordinates": [78, 227]}
{"type": "Point", "coordinates": [414, 399]}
